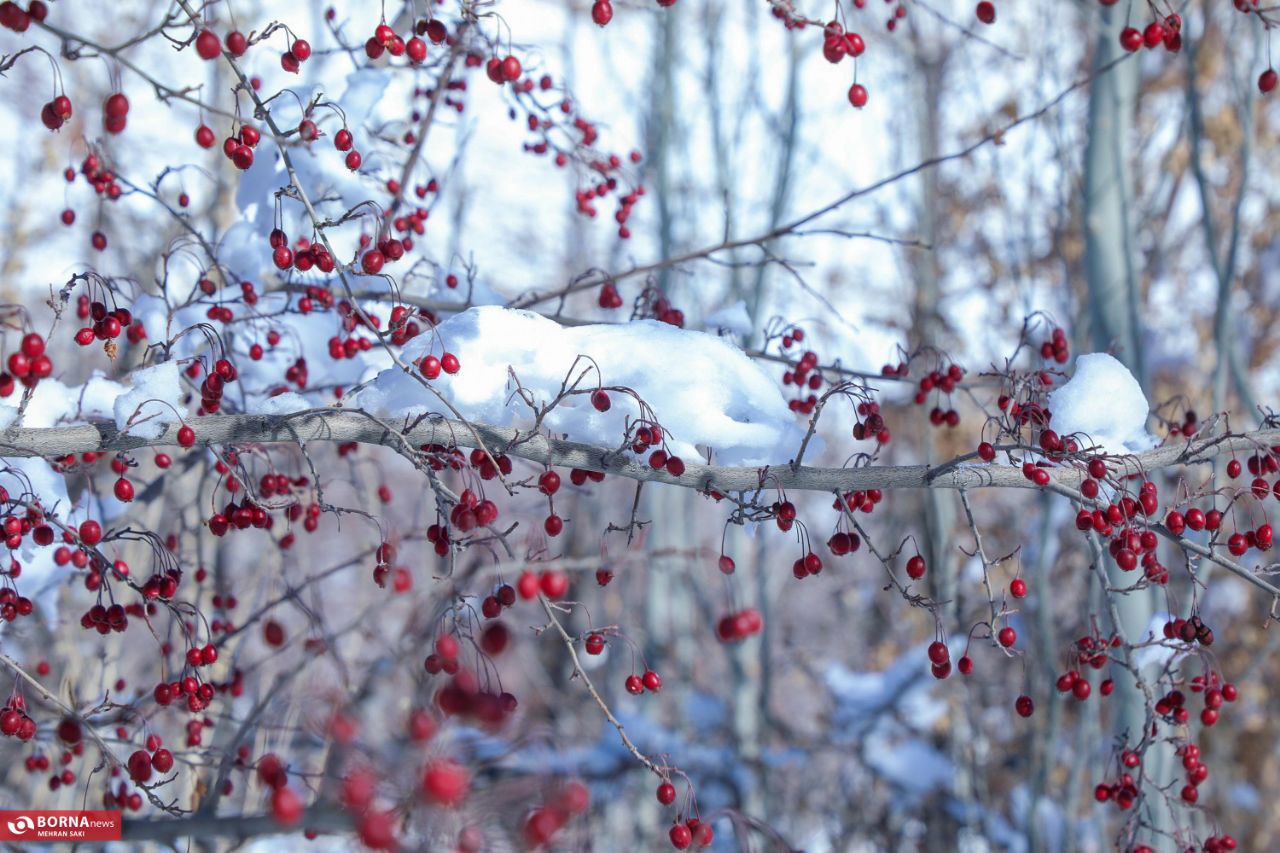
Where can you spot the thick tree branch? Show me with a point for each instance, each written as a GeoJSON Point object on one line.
{"type": "Point", "coordinates": [346, 425]}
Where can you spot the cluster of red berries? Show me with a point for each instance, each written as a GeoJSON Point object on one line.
{"type": "Point", "coordinates": [1128, 547]}
{"type": "Point", "coordinates": [1189, 426]}
{"type": "Point", "coordinates": [1075, 683]}
{"type": "Point", "coordinates": [214, 385]}
{"type": "Point", "coordinates": [106, 325]}
{"type": "Point", "coordinates": [14, 721]}
{"type": "Point", "coordinates": [738, 626]}
{"type": "Point", "coordinates": [548, 818]}
{"type": "Point", "coordinates": [661, 309]}
{"type": "Point", "coordinates": [859, 501]}
{"type": "Point", "coordinates": [691, 831]}
{"type": "Point", "coordinates": [684, 832]}
{"type": "Point", "coordinates": [637, 684]}
{"type": "Point", "coordinates": [836, 45]}
{"type": "Point", "coordinates": [239, 147]}
{"type": "Point", "coordinates": [198, 696]}
{"type": "Point", "coordinates": [445, 657]}
{"type": "Point", "coordinates": [503, 596]}
{"type": "Point", "coordinates": [308, 255]}
{"type": "Point", "coordinates": [16, 527]}
{"type": "Point", "coordinates": [1197, 772]}
{"type": "Point", "coordinates": [388, 250]}
{"type": "Point", "coordinates": [784, 514]}
{"type": "Point", "coordinates": [552, 583]}
{"type": "Point", "coordinates": [241, 516]}
{"type": "Point", "coordinates": [804, 374]}
{"type": "Point", "coordinates": [463, 697]}
{"type": "Point", "coordinates": [472, 511]}
{"type": "Point", "coordinates": [1123, 792]}
{"type": "Point", "coordinates": [504, 70]}
{"type": "Point", "coordinates": [486, 465]}
{"type": "Point", "coordinates": [404, 324]}
{"type": "Point", "coordinates": [432, 366]}
{"type": "Point", "coordinates": [104, 620]}
{"type": "Point", "coordinates": [1167, 32]}
{"type": "Point", "coordinates": [609, 297]}
{"type": "Point", "coordinates": [1192, 630]}
{"type": "Point", "coordinates": [39, 762]}
{"type": "Point", "coordinates": [55, 112]}
{"type": "Point", "coordinates": [385, 40]}
{"type": "Point", "coordinates": [209, 46]}
{"type": "Point", "coordinates": [940, 660]}
{"type": "Point", "coordinates": [142, 763]}
{"type": "Point", "coordinates": [842, 543]}
{"type": "Point", "coordinates": [115, 112]}
{"type": "Point", "coordinates": [1056, 348]}
{"type": "Point", "coordinates": [299, 52]}
{"type": "Point", "coordinates": [584, 197]}
{"type": "Point", "coordinates": [14, 17]}
{"type": "Point", "coordinates": [100, 177]}
{"type": "Point", "coordinates": [809, 564]}
{"type": "Point", "coordinates": [205, 655]}
{"type": "Point", "coordinates": [870, 423]}
{"type": "Point", "coordinates": [162, 585]}
{"type": "Point", "coordinates": [28, 365]}
{"type": "Point", "coordinates": [13, 605]}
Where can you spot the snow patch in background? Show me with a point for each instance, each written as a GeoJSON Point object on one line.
{"type": "Point", "coordinates": [1105, 404]}
{"type": "Point", "coordinates": [704, 391]}
{"type": "Point", "coordinates": [733, 318]}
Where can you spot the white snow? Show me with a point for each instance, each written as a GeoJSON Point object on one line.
{"type": "Point", "coordinates": [732, 318]}
{"type": "Point", "coordinates": [154, 401]}
{"type": "Point", "coordinates": [1104, 404]}
{"type": "Point", "coordinates": [53, 402]}
{"type": "Point", "coordinates": [1157, 655]}
{"type": "Point", "coordinates": [281, 404]}
{"type": "Point", "coordinates": [704, 391]}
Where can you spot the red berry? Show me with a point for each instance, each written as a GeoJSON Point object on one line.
{"type": "Point", "coordinates": [208, 45]}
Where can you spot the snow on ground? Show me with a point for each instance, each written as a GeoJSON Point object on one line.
{"type": "Point", "coordinates": [704, 391]}
{"type": "Point", "coordinates": [1103, 403]}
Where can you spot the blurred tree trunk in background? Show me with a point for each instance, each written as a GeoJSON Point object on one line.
{"type": "Point", "coordinates": [1114, 325]}
{"type": "Point", "coordinates": [929, 330]}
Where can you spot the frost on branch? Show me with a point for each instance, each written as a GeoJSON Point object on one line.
{"type": "Point", "coordinates": [1104, 404]}
{"type": "Point", "coordinates": [704, 391]}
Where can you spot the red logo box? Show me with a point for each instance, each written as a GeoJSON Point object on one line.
{"type": "Point", "coordinates": [48, 825]}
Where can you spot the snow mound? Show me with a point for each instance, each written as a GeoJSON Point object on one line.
{"type": "Point", "coordinates": [154, 401]}
{"type": "Point", "coordinates": [1105, 404]}
{"type": "Point", "coordinates": [704, 391]}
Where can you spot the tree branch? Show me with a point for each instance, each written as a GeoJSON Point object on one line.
{"type": "Point", "coordinates": [349, 425]}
